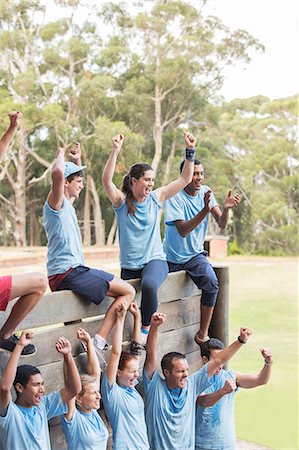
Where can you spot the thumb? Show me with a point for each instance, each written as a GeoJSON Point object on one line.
{"type": "Point", "coordinates": [229, 193]}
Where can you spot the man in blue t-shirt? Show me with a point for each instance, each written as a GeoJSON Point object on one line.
{"type": "Point", "coordinates": [24, 424]}
{"type": "Point", "coordinates": [170, 401]}
{"type": "Point", "coordinates": [66, 268]}
{"type": "Point", "coordinates": [186, 220]}
{"type": "Point", "coordinates": [214, 421]}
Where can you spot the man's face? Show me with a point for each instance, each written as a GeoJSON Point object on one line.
{"type": "Point", "coordinates": [32, 394]}
{"type": "Point", "coordinates": [74, 187]}
{"type": "Point", "coordinates": [178, 376]}
{"type": "Point", "coordinates": [197, 179]}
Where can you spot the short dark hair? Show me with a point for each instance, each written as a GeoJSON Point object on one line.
{"type": "Point", "coordinates": [212, 344]}
{"type": "Point", "coordinates": [24, 373]}
{"type": "Point", "coordinates": [196, 163]}
{"type": "Point", "coordinates": [71, 177]}
{"type": "Point", "coordinates": [166, 362]}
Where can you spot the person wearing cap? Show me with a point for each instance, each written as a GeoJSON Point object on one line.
{"type": "Point", "coordinates": [186, 218]}
{"type": "Point", "coordinates": [24, 423]}
{"type": "Point", "coordinates": [28, 288]}
{"type": "Point", "coordinates": [66, 268]}
{"type": "Point", "coordinates": [214, 420]}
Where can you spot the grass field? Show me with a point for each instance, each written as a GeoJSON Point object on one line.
{"type": "Point", "coordinates": [264, 296]}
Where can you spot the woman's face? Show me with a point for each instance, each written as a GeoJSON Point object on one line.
{"type": "Point", "coordinates": [142, 187]}
{"type": "Point", "coordinates": [90, 399]}
{"type": "Point", "coordinates": [127, 377]}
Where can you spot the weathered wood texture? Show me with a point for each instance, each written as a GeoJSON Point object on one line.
{"type": "Point", "coordinates": [62, 313]}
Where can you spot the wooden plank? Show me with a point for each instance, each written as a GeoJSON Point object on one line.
{"type": "Point", "coordinates": [180, 313]}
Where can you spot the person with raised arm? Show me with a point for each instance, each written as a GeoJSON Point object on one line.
{"type": "Point", "coordinates": [214, 421]}
{"type": "Point", "coordinates": [170, 401]}
{"type": "Point", "coordinates": [66, 268]}
{"type": "Point", "coordinates": [186, 218]}
{"type": "Point", "coordinates": [82, 426]}
{"type": "Point", "coordinates": [24, 424]}
{"type": "Point", "coordinates": [137, 207]}
{"type": "Point", "coordinates": [28, 288]}
{"type": "Point", "coordinates": [123, 405]}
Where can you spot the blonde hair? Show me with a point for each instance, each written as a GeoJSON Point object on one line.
{"type": "Point", "coordinates": [85, 380]}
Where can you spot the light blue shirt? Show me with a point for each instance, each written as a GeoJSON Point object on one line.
{"type": "Point", "coordinates": [170, 413]}
{"type": "Point", "coordinates": [27, 428]}
{"type": "Point", "coordinates": [215, 425]}
{"type": "Point", "coordinates": [184, 207]}
{"type": "Point", "coordinates": [139, 234]}
{"type": "Point", "coordinates": [85, 431]}
{"type": "Point", "coordinates": [124, 409]}
{"type": "Point", "coordinates": [64, 238]}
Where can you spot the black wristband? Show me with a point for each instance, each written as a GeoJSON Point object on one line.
{"type": "Point", "coordinates": [241, 340]}
{"type": "Point", "coordinates": [190, 154]}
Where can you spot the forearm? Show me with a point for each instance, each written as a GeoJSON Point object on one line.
{"type": "Point", "coordinates": [185, 227]}
{"type": "Point", "coordinates": [151, 361]}
{"type": "Point", "coordinates": [109, 168]}
{"type": "Point", "coordinates": [71, 375]}
{"type": "Point", "coordinates": [137, 327]}
{"type": "Point", "coordinates": [93, 366]}
{"type": "Point", "coordinates": [187, 171]}
{"type": "Point", "coordinates": [223, 219]}
{"type": "Point", "coordinates": [207, 400]}
{"type": "Point", "coordinates": [118, 337]}
{"type": "Point", "coordinates": [10, 369]}
{"type": "Point", "coordinates": [6, 140]}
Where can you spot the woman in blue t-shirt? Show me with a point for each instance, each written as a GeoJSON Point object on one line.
{"type": "Point", "coordinates": [123, 404]}
{"type": "Point", "coordinates": [137, 207]}
{"type": "Point", "coordinates": [82, 425]}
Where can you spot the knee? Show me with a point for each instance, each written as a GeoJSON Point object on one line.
{"type": "Point", "coordinates": [131, 292]}
{"type": "Point", "coordinates": [149, 286]}
{"type": "Point", "coordinates": [41, 284]}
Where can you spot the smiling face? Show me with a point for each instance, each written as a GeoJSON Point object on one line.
{"type": "Point", "coordinates": [127, 376]}
{"type": "Point", "coordinates": [32, 393]}
{"type": "Point", "coordinates": [197, 180]}
{"type": "Point", "coordinates": [73, 188]}
{"type": "Point", "coordinates": [143, 186]}
{"type": "Point", "coordinates": [89, 398]}
{"type": "Point", "coordinates": [177, 377]}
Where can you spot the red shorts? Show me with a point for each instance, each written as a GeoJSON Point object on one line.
{"type": "Point", "coordinates": [5, 291]}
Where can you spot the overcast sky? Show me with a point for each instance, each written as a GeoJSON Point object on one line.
{"type": "Point", "coordinates": [275, 23]}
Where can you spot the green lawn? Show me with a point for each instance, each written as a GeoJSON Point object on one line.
{"type": "Point", "coordinates": [264, 296]}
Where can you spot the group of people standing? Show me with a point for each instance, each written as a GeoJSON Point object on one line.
{"type": "Point", "coordinates": [181, 412]}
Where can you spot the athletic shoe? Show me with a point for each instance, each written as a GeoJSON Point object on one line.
{"type": "Point", "coordinates": [143, 337]}
{"type": "Point", "coordinates": [200, 340]}
{"type": "Point", "coordinates": [101, 353]}
{"type": "Point", "coordinates": [10, 343]}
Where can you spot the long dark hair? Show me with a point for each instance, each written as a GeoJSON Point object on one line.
{"type": "Point", "coordinates": [136, 171]}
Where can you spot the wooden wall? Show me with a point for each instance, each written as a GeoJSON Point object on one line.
{"type": "Point", "coordinates": [62, 313]}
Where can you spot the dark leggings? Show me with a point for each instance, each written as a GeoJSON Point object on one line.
{"type": "Point", "coordinates": [152, 276]}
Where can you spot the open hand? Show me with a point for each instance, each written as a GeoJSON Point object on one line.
{"type": "Point", "coordinates": [232, 201]}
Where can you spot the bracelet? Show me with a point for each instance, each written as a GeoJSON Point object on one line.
{"type": "Point", "coordinates": [190, 154]}
{"type": "Point", "coordinates": [268, 363]}
{"type": "Point", "coordinates": [241, 340]}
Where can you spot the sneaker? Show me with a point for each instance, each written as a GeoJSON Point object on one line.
{"type": "Point", "coordinates": [200, 340]}
{"type": "Point", "coordinates": [101, 353]}
{"type": "Point", "coordinates": [143, 336]}
{"type": "Point", "coordinates": [10, 343]}
{"type": "Point", "coordinates": [136, 348]}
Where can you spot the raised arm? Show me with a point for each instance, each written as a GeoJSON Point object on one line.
{"type": "Point", "coordinates": [55, 198]}
{"type": "Point", "coordinates": [93, 365]}
{"type": "Point", "coordinates": [6, 139]}
{"type": "Point", "coordinates": [249, 381]}
{"type": "Point", "coordinates": [151, 360]}
{"type": "Point", "coordinates": [113, 193]}
{"type": "Point", "coordinates": [111, 371]}
{"type": "Point", "coordinates": [185, 227]}
{"type": "Point", "coordinates": [171, 189]}
{"type": "Point", "coordinates": [221, 217]}
{"type": "Point", "coordinates": [206, 400]}
{"type": "Point", "coordinates": [10, 370]}
{"type": "Point", "coordinates": [71, 375]}
{"type": "Point", "coordinates": [75, 154]}
{"type": "Point", "coordinates": [228, 352]}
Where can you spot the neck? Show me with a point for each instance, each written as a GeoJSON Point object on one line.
{"type": "Point", "coordinates": [190, 190]}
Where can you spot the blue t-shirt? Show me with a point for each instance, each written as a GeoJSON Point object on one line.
{"type": "Point", "coordinates": [170, 413]}
{"type": "Point", "coordinates": [64, 238]}
{"type": "Point", "coordinates": [85, 431]}
{"type": "Point", "coordinates": [27, 428]}
{"type": "Point", "coordinates": [124, 409]}
{"type": "Point", "coordinates": [183, 206]}
{"type": "Point", "coordinates": [139, 234]}
{"type": "Point", "coordinates": [215, 425]}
